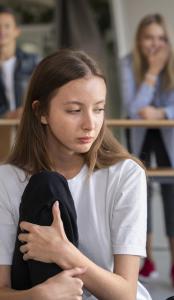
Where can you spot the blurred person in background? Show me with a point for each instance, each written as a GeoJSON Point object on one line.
{"type": "Point", "coordinates": [16, 66]}
{"type": "Point", "coordinates": [148, 93]}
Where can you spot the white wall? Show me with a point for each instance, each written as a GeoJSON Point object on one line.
{"type": "Point", "coordinates": [127, 14]}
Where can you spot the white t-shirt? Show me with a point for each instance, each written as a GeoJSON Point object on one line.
{"type": "Point", "coordinates": [111, 213]}
{"type": "Point", "coordinates": [8, 68]}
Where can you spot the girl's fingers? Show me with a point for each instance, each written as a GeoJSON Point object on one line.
{"type": "Point", "coordinates": [57, 221]}
{"type": "Point", "coordinates": [24, 248]}
{"type": "Point", "coordinates": [27, 226]}
{"type": "Point", "coordinates": [56, 214]}
{"type": "Point", "coordinates": [23, 237]}
{"type": "Point", "coordinates": [26, 256]}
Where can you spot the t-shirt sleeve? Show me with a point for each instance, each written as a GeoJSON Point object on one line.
{"type": "Point", "coordinates": [129, 211]}
{"type": "Point", "coordinates": [7, 228]}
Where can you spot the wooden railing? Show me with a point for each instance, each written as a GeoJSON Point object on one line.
{"type": "Point", "coordinates": [113, 122]}
{"type": "Point", "coordinates": [160, 174]}
{"type": "Point", "coordinates": [163, 175]}
{"type": "Point", "coordinates": [9, 122]}
{"type": "Point", "coordinates": [140, 123]}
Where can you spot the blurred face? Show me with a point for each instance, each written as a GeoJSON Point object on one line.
{"type": "Point", "coordinates": [8, 29]}
{"type": "Point", "coordinates": [152, 38]}
{"type": "Point", "coordinates": [76, 115]}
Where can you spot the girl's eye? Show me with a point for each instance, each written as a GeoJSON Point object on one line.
{"type": "Point", "coordinates": [99, 110]}
{"type": "Point", "coordinates": [73, 111]}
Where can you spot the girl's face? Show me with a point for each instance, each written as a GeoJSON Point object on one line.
{"type": "Point", "coordinates": [152, 39]}
{"type": "Point", "coordinates": [76, 115]}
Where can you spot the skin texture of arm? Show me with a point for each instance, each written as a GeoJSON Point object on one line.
{"type": "Point", "coordinates": [6, 292]}
{"type": "Point", "coordinates": [65, 286]}
{"type": "Point", "coordinates": [103, 284]}
{"type": "Point", "coordinates": [107, 285]}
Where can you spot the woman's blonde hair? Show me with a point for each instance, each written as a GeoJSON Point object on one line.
{"type": "Point", "coordinates": [30, 151]}
{"type": "Point", "coordinates": [139, 61]}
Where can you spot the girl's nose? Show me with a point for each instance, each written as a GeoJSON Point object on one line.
{"type": "Point", "coordinates": [88, 122]}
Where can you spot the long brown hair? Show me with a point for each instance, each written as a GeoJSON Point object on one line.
{"type": "Point", "coordinates": [30, 150]}
{"type": "Point", "coordinates": [139, 61]}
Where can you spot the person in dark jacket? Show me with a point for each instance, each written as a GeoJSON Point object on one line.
{"type": "Point", "coordinates": [16, 66]}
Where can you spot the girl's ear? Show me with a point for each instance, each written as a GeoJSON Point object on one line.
{"type": "Point", "coordinates": [43, 120]}
{"type": "Point", "coordinates": [35, 107]}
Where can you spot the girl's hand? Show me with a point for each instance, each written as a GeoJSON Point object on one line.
{"type": "Point", "coordinates": [66, 285]}
{"type": "Point", "coordinates": [157, 60]}
{"type": "Point", "coordinates": [44, 243]}
{"type": "Point", "coordinates": [152, 113]}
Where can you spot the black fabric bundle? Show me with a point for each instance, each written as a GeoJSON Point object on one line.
{"type": "Point", "coordinates": [42, 190]}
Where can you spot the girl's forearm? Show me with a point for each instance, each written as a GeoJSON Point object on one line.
{"type": "Point", "coordinates": [103, 284]}
{"type": "Point", "coordinates": [106, 285]}
{"type": "Point", "coordinates": [10, 294]}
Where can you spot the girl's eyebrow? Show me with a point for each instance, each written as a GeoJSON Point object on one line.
{"type": "Point", "coordinates": [73, 102]}
{"type": "Point", "coordinates": [101, 102]}
{"type": "Point", "coordinates": [80, 103]}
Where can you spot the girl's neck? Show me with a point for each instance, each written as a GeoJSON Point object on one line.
{"type": "Point", "coordinates": [68, 166]}
{"type": "Point", "coordinates": [69, 172]}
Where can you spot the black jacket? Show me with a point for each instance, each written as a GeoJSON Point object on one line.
{"type": "Point", "coordinates": [41, 192]}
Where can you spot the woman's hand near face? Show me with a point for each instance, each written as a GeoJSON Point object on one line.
{"type": "Point", "coordinates": [66, 285]}
{"type": "Point", "coordinates": [44, 243]}
{"type": "Point", "coordinates": [157, 60]}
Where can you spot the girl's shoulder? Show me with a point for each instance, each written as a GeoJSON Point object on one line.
{"type": "Point", "coordinates": [124, 171]}
{"type": "Point", "coordinates": [10, 173]}
{"type": "Point", "coordinates": [8, 169]}
{"type": "Point", "coordinates": [127, 177]}
{"type": "Point", "coordinates": [126, 166]}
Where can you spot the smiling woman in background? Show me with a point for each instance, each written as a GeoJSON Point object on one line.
{"type": "Point", "coordinates": [148, 93]}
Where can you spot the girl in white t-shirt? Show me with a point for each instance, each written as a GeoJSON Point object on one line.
{"type": "Point", "coordinates": [63, 129]}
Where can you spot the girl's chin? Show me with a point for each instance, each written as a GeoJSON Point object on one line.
{"type": "Point", "coordinates": [85, 149]}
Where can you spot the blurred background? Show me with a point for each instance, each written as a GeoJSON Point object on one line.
{"type": "Point", "coordinates": [86, 24]}
{"type": "Point", "coordinates": [104, 28]}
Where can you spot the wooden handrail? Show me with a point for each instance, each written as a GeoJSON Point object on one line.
{"type": "Point", "coordinates": [139, 123]}
{"type": "Point", "coordinates": [160, 172]}
{"type": "Point", "coordinates": [9, 122]}
{"type": "Point", "coordinates": [161, 175]}
{"type": "Point", "coordinates": [112, 122]}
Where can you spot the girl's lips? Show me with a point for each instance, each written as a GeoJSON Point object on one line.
{"type": "Point", "coordinates": [85, 140]}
